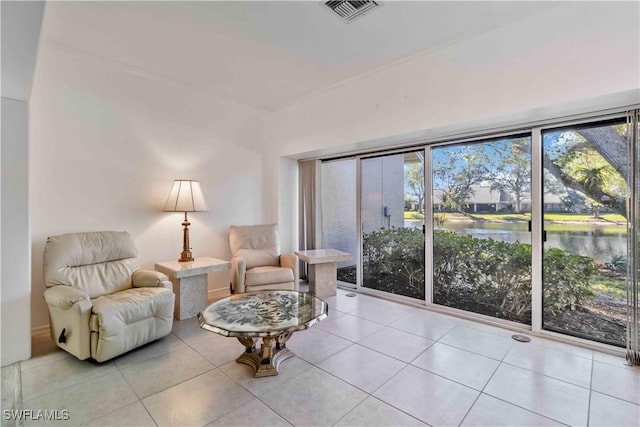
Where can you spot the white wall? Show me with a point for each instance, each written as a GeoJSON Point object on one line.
{"type": "Point", "coordinates": [15, 248]}
{"type": "Point", "coordinates": [573, 58]}
{"type": "Point", "coordinates": [20, 27]}
{"type": "Point", "coordinates": [107, 143]}
{"type": "Point", "coordinates": [338, 195]}
{"type": "Point", "coordinates": [382, 186]}
{"type": "Point", "coordinates": [569, 53]}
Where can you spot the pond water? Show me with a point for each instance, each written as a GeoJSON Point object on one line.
{"type": "Point", "coordinates": [600, 242]}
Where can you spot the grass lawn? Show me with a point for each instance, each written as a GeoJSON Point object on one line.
{"type": "Point", "coordinates": [502, 216]}
{"type": "Point", "coordinates": [550, 217]}
{"type": "Point", "coordinates": [610, 217]}
{"type": "Point", "coordinates": [413, 215]}
{"type": "Point", "coordinates": [615, 288]}
{"type": "Point", "coordinates": [448, 216]}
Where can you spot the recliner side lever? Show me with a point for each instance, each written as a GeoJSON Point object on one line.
{"type": "Point", "coordinates": [62, 338]}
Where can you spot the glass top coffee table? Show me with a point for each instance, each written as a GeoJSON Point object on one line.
{"type": "Point", "coordinates": [271, 315]}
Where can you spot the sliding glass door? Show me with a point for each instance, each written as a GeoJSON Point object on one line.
{"type": "Point", "coordinates": [392, 213]}
{"type": "Point", "coordinates": [585, 224]}
{"type": "Point", "coordinates": [338, 192]}
{"type": "Point", "coordinates": [481, 211]}
{"type": "Point", "coordinates": [479, 206]}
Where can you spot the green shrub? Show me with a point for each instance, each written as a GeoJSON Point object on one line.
{"type": "Point", "coordinates": [393, 261]}
{"type": "Point", "coordinates": [480, 275]}
{"type": "Point", "coordinates": [617, 263]}
{"type": "Point", "coordinates": [567, 277]}
{"type": "Point", "coordinates": [483, 275]}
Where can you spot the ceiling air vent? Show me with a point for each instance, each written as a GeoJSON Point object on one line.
{"type": "Point", "coordinates": [351, 10]}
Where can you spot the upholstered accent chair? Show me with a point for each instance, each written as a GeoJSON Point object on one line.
{"type": "Point", "coordinates": [101, 303]}
{"type": "Point", "coordinates": [257, 264]}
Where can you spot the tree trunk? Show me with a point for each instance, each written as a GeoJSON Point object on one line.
{"type": "Point", "coordinates": [618, 204]}
{"type": "Point", "coordinates": [613, 148]}
{"type": "Point", "coordinates": [611, 145]}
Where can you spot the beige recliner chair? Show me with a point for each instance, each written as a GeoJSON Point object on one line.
{"type": "Point", "coordinates": [101, 304]}
{"type": "Point", "coordinates": [257, 264]}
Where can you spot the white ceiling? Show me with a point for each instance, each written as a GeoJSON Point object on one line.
{"type": "Point", "coordinates": [266, 54]}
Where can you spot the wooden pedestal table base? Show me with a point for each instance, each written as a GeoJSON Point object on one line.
{"type": "Point", "coordinates": [265, 361]}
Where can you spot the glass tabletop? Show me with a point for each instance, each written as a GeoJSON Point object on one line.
{"type": "Point", "coordinates": [263, 314]}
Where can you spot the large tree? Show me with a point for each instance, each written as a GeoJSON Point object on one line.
{"type": "Point", "coordinates": [511, 171]}
{"type": "Point", "coordinates": [455, 172]}
{"type": "Point", "coordinates": [592, 161]}
{"type": "Point", "coordinates": [414, 182]}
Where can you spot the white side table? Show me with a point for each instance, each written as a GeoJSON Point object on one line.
{"type": "Point", "coordinates": [322, 269]}
{"type": "Point", "coordinates": [190, 283]}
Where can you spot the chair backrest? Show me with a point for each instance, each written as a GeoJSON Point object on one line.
{"type": "Point", "coordinates": [98, 263]}
{"type": "Point", "coordinates": [259, 245]}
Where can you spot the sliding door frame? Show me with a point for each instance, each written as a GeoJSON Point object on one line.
{"type": "Point", "coordinates": [534, 129]}
{"type": "Point", "coordinates": [374, 292]}
{"type": "Point", "coordinates": [429, 237]}
{"type": "Point", "coordinates": [428, 226]}
{"type": "Point", "coordinates": [537, 229]}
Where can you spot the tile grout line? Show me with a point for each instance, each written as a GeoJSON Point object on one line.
{"type": "Point", "coordinates": [487, 394]}
{"type": "Point", "coordinates": [549, 376]}
{"type": "Point", "coordinates": [150, 358]}
{"type": "Point", "coordinates": [302, 373]}
{"type": "Point", "coordinates": [367, 394]}
{"type": "Point", "coordinates": [371, 394]}
{"type": "Point", "coordinates": [611, 395]}
{"type": "Point", "coordinates": [501, 361]}
{"type": "Point", "coordinates": [140, 398]}
{"type": "Point", "coordinates": [254, 396]}
{"type": "Point", "coordinates": [91, 361]}
{"type": "Point", "coordinates": [534, 372]}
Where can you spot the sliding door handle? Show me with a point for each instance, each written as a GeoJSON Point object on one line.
{"type": "Point", "coordinates": [544, 232]}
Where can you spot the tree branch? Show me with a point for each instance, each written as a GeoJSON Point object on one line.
{"type": "Point", "coordinates": [596, 194]}
{"type": "Point", "coordinates": [611, 145]}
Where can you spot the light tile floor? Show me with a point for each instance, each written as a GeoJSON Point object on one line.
{"type": "Point", "coordinates": [373, 362]}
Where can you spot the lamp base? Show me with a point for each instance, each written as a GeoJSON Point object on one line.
{"type": "Point", "coordinates": [185, 256]}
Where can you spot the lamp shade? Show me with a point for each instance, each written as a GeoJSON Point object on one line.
{"type": "Point", "coordinates": [185, 196]}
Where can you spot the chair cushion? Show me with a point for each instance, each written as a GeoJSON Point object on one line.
{"type": "Point", "coordinates": [258, 244]}
{"type": "Point", "coordinates": [125, 320]}
{"type": "Point", "coordinates": [96, 263]}
{"type": "Point", "coordinates": [111, 313]}
{"type": "Point", "coordinates": [268, 275]}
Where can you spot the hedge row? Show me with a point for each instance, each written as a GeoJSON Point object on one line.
{"type": "Point", "coordinates": [480, 275]}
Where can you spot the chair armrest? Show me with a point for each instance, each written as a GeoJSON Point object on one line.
{"type": "Point", "coordinates": [69, 314]}
{"type": "Point", "coordinates": [64, 296]}
{"type": "Point", "coordinates": [291, 261]}
{"type": "Point", "coordinates": [238, 271]}
{"type": "Point", "coordinates": [150, 279]}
